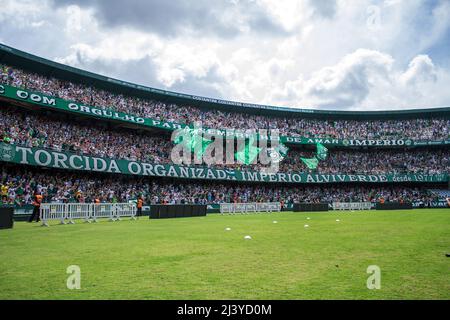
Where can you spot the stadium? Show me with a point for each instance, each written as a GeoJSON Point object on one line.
{"type": "Point", "coordinates": [95, 150]}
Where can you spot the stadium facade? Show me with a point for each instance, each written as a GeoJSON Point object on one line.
{"type": "Point", "coordinates": [113, 138]}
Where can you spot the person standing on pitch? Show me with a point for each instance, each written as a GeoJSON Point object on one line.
{"type": "Point", "coordinates": [140, 203]}
{"type": "Point", "coordinates": [37, 204]}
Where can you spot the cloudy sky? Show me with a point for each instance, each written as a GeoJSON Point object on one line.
{"type": "Point", "coordinates": [328, 54]}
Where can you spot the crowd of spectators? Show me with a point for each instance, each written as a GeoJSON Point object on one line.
{"type": "Point", "coordinates": [420, 129]}
{"type": "Point", "coordinates": [19, 184]}
{"type": "Point", "coordinates": [420, 161]}
{"type": "Point", "coordinates": [89, 138]}
{"type": "Point", "coordinates": [97, 139]}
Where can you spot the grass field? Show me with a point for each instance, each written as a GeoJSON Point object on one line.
{"type": "Point", "coordinates": [195, 258]}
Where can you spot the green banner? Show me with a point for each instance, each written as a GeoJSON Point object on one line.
{"type": "Point", "coordinates": [42, 100]}
{"type": "Point", "coordinates": [65, 160]}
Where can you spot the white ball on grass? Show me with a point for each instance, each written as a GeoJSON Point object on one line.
{"type": "Point", "coordinates": [337, 220]}
{"type": "Point", "coordinates": [227, 229]}
{"type": "Point", "coordinates": [275, 221]}
{"type": "Point", "coordinates": [248, 238]}
{"type": "Point", "coordinates": [308, 218]}
{"type": "Point", "coordinates": [306, 226]}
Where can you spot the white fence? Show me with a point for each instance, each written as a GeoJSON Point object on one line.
{"type": "Point", "coordinates": [352, 205]}
{"type": "Point", "coordinates": [90, 212]}
{"type": "Point", "coordinates": [245, 208]}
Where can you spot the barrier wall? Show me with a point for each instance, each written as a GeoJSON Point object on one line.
{"type": "Point", "coordinates": [253, 207]}
{"type": "Point", "coordinates": [6, 217]}
{"type": "Point", "coordinates": [89, 212]}
{"type": "Point", "coordinates": [161, 211]}
{"type": "Point", "coordinates": [394, 206]}
{"type": "Point", "coordinates": [310, 207]}
{"type": "Point", "coordinates": [352, 205]}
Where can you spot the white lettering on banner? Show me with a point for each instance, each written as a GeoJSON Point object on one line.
{"type": "Point", "coordinates": [147, 169]}
{"type": "Point", "coordinates": [24, 151]}
{"type": "Point", "coordinates": [355, 142]}
{"type": "Point", "coordinates": [210, 174]}
{"type": "Point", "coordinates": [134, 168]}
{"type": "Point", "coordinates": [63, 160]}
{"type": "Point", "coordinates": [221, 174]}
{"type": "Point", "coordinates": [36, 98]}
{"type": "Point", "coordinates": [72, 162]}
{"type": "Point", "coordinates": [37, 157]}
{"type": "Point", "coordinates": [172, 172]}
{"type": "Point", "coordinates": [49, 101]}
{"type": "Point", "coordinates": [99, 164]}
{"type": "Point", "coordinates": [60, 159]}
{"type": "Point", "coordinates": [85, 109]}
{"type": "Point", "coordinates": [113, 167]}
{"type": "Point", "coordinates": [184, 172]}
{"type": "Point", "coordinates": [73, 106]}
{"type": "Point", "coordinates": [87, 163]}
{"type": "Point", "coordinates": [22, 94]}
{"type": "Point", "coordinates": [97, 112]}
{"type": "Point", "coordinates": [160, 170]}
{"type": "Point", "coordinates": [105, 112]}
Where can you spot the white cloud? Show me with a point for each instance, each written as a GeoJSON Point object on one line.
{"type": "Point", "coordinates": [367, 80]}
{"type": "Point", "coordinates": [421, 69]}
{"type": "Point", "coordinates": [328, 56]}
{"type": "Point", "coordinates": [349, 82]}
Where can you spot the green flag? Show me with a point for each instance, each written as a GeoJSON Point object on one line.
{"type": "Point", "coordinates": [282, 149]}
{"type": "Point", "coordinates": [278, 153]}
{"type": "Point", "coordinates": [248, 154]}
{"type": "Point", "coordinates": [311, 163]}
{"type": "Point", "coordinates": [322, 152]}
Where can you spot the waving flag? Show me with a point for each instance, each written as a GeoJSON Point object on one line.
{"type": "Point", "coordinates": [278, 153]}
{"type": "Point", "coordinates": [311, 163]}
{"type": "Point", "coordinates": [322, 152]}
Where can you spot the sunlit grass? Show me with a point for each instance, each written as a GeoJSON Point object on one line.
{"type": "Point", "coordinates": [195, 258]}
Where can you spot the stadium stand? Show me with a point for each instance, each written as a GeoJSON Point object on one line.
{"type": "Point", "coordinates": [394, 156]}
{"type": "Point", "coordinates": [51, 132]}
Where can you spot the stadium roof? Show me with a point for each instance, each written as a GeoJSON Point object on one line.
{"type": "Point", "coordinates": [14, 57]}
